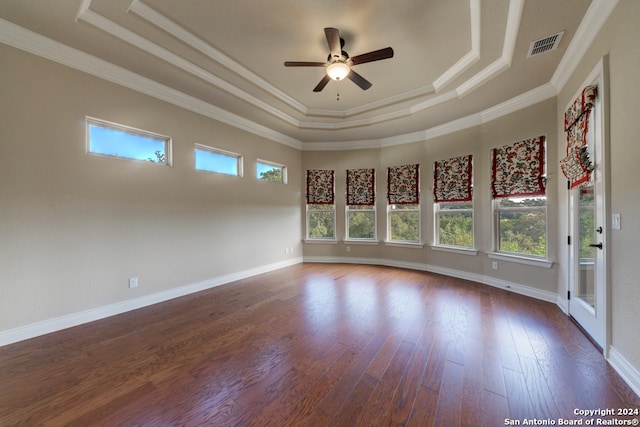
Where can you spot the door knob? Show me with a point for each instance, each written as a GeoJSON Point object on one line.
{"type": "Point", "coordinates": [596, 245]}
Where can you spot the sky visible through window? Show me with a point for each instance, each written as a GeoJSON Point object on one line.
{"type": "Point", "coordinates": [262, 168]}
{"type": "Point", "coordinates": [113, 142]}
{"type": "Point", "coordinates": [216, 162]}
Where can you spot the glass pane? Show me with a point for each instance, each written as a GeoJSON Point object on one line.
{"type": "Point", "coordinates": [523, 232]}
{"type": "Point", "coordinates": [216, 162]}
{"type": "Point", "coordinates": [447, 206]}
{"type": "Point", "coordinates": [269, 172]}
{"type": "Point", "coordinates": [404, 225]}
{"type": "Point", "coordinates": [119, 143]}
{"type": "Point", "coordinates": [586, 276]}
{"type": "Point", "coordinates": [361, 223]}
{"type": "Point", "coordinates": [321, 220]}
{"type": "Point", "coordinates": [522, 227]}
{"type": "Point", "coordinates": [455, 228]}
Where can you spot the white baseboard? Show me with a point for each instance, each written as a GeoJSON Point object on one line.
{"type": "Point", "coordinates": [487, 280]}
{"type": "Point", "coordinates": [628, 373]}
{"type": "Point", "coordinates": [63, 322]}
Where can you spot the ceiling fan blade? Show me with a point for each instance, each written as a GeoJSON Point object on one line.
{"type": "Point", "coordinates": [304, 64]}
{"type": "Point", "coordinates": [333, 39]}
{"type": "Point", "coordinates": [322, 84]}
{"type": "Point", "coordinates": [359, 80]}
{"type": "Point", "coordinates": [376, 55]}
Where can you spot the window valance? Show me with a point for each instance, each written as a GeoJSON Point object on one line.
{"type": "Point", "coordinates": [320, 187]}
{"type": "Point", "coordinates": [403, 185]}
{"type": "Point", "coordinates": [452, 179]}
{"type": "Point", "coordinates": [518, 169]}
{"type": "Point", "coordinates": [576, 166]}
{"type": "Point", "coordinates": [361, 187]}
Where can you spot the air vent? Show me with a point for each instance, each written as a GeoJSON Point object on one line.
{"type": "Point", "coordinates": [545, 44]}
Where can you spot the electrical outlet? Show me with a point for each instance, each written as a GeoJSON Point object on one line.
{"type": "Point", "coordinates": [348, 248]}
{"type": "Point", "coordinates": [133, 282]}
{"type": "Point", "coordinates": [494, 265]}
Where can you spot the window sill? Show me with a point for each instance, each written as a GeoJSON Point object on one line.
{"type": "Point", "coordinates": [461, 251]}
{"type": "Point", "coordinates": [321, 241]}
{"type": "Point", "coordinates": [361, 242]}
{"type": "Point", "coordinates": [414, 245]}
{"type": "Point", "coordinates": [536, 262]}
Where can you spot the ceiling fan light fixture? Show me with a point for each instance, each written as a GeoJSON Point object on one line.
{"type": "Point", "coordinates": [338, 70]}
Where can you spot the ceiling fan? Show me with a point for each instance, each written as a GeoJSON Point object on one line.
{"type": "Point", "coordinates": [339, 64]}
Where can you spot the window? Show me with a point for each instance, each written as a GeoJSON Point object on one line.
{"type": "Point", "coordinates": [215, 160]}
{"type": "Point", "coordinates": [111, 139]}
{"type": "Point", "coordinates": [321, 210]}
{"type": "Point", "coordinates": [403, 208]}
{"type": "Point", "coordinates": [521, 225]}
{"type": "Point", "coordinates": [454, 224]}
{"type": "Point", "coordinates": [453, 195]}
{"type": "Point", "coordinates": [520, 205]}
{"type": "Point", "coordinates": [272, 172]}
{"type": "Point", "coordinates": [360, 205]}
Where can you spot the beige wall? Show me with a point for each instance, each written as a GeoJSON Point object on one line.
{"type": "Point", "coordinates": [534, 121]}
{"type": "Point", "coordinates": [619, 39]}
{"type": "Point", "coordinates": [74, 227]}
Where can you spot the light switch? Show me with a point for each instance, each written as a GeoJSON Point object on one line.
{"type": "Point", "coordinates": [615, 221]}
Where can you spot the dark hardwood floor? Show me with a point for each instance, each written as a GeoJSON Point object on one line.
{"type": "Point", "coordinates": [316, 345]}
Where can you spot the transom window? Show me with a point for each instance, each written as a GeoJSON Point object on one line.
{"type": "Point", "coordinates": [272, 172]}
{"type": "Point", "coordinates": [215, 160]}
{"type": "Point", "coordinates": [111, 139]}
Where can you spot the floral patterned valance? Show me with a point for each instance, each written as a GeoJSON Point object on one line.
{"type": "Point", "coordinates": [518, 169]}
{"type": "Point", "coordinates": [403, 185]}
{"type": "Point", "coordinates": [320, 187]}
{"type": "Point", "coordinates": [582, 104]}
{"type": "Point", "coordinates": [361, 187]}
{"type": "Point", "coordinates": [452, 179]}
{"type": "Point", "coordinates": [576, 166]}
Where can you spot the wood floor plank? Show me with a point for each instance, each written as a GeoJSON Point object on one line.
{"type": "Point", "coordinates": [315, 345]}
{"type": "Point", "coordinates": [448, 409]}
{"type": "Point", "coordinates": [408, 387]}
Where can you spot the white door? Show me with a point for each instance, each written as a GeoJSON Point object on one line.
{"type": "Point", "coordinates": [588, 228]}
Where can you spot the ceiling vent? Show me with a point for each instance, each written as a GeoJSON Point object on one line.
{"type": "Point", "coordinates": [544, 44]}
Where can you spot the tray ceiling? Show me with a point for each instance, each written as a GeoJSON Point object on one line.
{"type": "Point", "coordinates": [456, 63]}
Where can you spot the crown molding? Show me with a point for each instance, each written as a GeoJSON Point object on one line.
{"type": "Point", "coordinates": [169, 26]}
{"type": "Point", "coordinates": [504, 62]}
{"type": "Point", "coordinates": [596, 16]}
{"type": "Point", "coordinates": [512, 105]}
{"type": "Point", "coordinates": [34, 43]}
{"type": "Point", "coordinates": [146, 45]}
{"type": "Point", "coordinates": [172, 28]}
{"type": "Point", "coordinates": [471, 57]}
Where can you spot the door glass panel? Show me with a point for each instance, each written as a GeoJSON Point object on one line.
{"type": "Point", "coordinates": [586, 276]}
